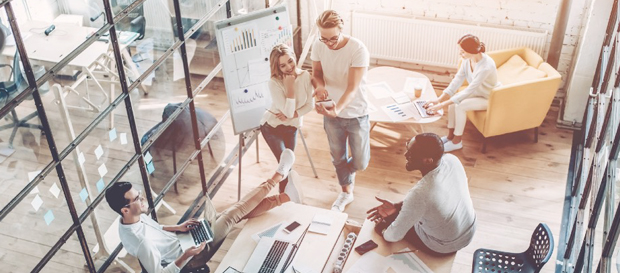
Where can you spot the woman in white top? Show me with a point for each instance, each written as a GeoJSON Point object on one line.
{"type": "Point", "coordinates": [480, 72]}
{"type": "Point", "coordinates": [291, 93]}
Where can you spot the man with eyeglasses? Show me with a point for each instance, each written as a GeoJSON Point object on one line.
{"type": "Point", "coordinates": [339, 65]}
{"type": "Point", "coordinates": [157, 247]}
{"type": "Point", "coordinates": [437, 214]}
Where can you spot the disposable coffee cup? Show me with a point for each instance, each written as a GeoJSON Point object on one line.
{"type": "Point", "coordinates": [418, 90]}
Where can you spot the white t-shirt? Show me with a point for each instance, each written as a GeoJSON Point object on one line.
{"type": "Point", "coordinates": [336, 64]}
{"type": "Point", "coordinates": [147, 241]}
{"type": "Point", "coordinates": [440, 209]}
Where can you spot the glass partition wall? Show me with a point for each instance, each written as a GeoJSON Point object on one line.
{"type": "Point", "coordinates": [94, 92]}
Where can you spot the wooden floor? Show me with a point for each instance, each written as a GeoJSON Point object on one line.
{"type": "Point", "coordinates": [514, 186]}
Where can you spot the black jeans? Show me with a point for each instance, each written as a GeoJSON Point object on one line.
{"type": "Point", "coordinates": [279, 138]}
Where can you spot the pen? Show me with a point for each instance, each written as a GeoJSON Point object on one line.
{"type": "Point", "coordinates": [270, 111]}
{"type": "Point", "coordinates": [406, 251]}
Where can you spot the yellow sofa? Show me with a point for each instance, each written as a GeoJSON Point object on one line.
{"type": "Point", "coordinates": [528, 87]}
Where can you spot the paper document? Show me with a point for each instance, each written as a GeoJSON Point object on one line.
{"type": "Point", "coordinates": [401, 97]}
{"type": "Point", "coordinates": [370, 262]}
{"type": "Point", "coordinates": [321, 223]}
{"type": "Point", "coordinates": [259, 71]}
{"type": "Point", "coordinates": [406, 262]}
{"type": "Point", "coordinates": [400, 112]}
{"type": "Point", "coordinates": [379, 90]}
{"type": "Point", "coordinates": [412, 83]}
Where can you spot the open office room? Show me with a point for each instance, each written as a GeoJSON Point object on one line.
{"type": "Point", "coordinates": [184, 99]}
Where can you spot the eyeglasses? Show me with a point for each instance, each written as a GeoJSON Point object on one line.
{"type": "Point", "coordinates": [331, 40]}
{"type": "Point", "coordinates": [138, 198]}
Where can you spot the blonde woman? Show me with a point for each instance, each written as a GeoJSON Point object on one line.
{"type": "Point", "coordinates": [339, 65]}
{"type": "Point", "coordinates": [480, 72]}
{"type": "Point", "coordinates": [291, 93]}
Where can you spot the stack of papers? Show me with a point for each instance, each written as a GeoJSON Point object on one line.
{"type": "Point", "coordinates": [321, 223]}
{"type": "Point", "coordinates": [402, 262]}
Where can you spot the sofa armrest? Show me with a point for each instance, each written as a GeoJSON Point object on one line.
{"type": "Point", "coordinates": [520, 106]}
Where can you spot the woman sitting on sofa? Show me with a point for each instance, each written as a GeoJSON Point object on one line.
{"type": "Point", "coordinates": [480, 72]}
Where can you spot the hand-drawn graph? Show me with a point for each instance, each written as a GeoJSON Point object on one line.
{"type": "Point", "coordinates": [248, 98]}
{"type": "Point", "coordinates": [270, 38]}
{"type": "Point", "coordinates": [240, 38]}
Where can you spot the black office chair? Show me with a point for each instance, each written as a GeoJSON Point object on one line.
{"type": "Point", "coordinates": [9, 89]}
{"type": "Point", "coordinates": [532, 260]}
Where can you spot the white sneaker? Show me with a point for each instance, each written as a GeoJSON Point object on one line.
{"type": "Point", "coordinates": [293, 188]}
{"type": "Point", "coordinates": [342, 201]}
{"type": "Point", "coordinates": [444, 139]}
{"type": "Point", "coordinates": [287, 158]}
{"type": "Point", "coordinates": [450, 146]}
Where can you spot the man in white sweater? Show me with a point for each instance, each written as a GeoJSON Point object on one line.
{"type": "Point", "coordinates": [437, 214]}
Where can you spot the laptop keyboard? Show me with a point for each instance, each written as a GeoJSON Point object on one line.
{"type": "Point", "coordinates": [273, 257]}
{"type": "Point", "coordinates": [200, 233]}
{"type": "Point", "coordinates": [419, 105]}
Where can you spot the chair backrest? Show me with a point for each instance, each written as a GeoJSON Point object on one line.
{"type": "Point", "coordinates": [541, 246]}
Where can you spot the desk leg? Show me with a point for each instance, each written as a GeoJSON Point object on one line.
{"type": "Point", "coordinates": [372, 127]}
{"type": "Point", "coordinates": [134, 69]}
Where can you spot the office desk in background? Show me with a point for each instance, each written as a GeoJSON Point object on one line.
{"type": "Point", "coordinates": [314, 251]}
{"type": "Point", "coordinates": [436, 264]}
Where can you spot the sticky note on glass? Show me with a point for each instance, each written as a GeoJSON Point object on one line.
{"type": "Point", "coordinates": [83, 194]}
{"type": "Point", "coordinates": [123, 138]}
{"type": "Point", "coordinates": [55, 190]}
{"type": "Point", "coordinates": [49, 217]}
{"type": "Point", "coordinates": [36, 202]}
{"type": "Point", "coordinates": [102, 170]}
{"type": "Point", "coordinates": [81, 158]}
{"type": "Point", "coordinates": [150, 167]}
{"type": "Point", "coordinates": [148, 157]}
{"type": "Point", "coordinates": [112, 134]}
{"type": "Point", "coordinates": [98, 152]}
{"type": "Point", "coordinates": [35, 190]}
{"type": "Point", "coordinates": [33, 175]}
{"type": "Point", "coordinates": [100, 185]}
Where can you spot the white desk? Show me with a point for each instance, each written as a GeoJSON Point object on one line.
{"type": "Point", "coordinates": [315, 248]}
{"type": "Point", "coordinates": [49, 50]}
{"type": "Point", "coordinates": [396, 78]}
{"type": "Point", "coordinates": [436, 264]}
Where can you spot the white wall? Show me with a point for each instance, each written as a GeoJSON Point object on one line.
{"type": "Point", "coordinates": [533, 14]}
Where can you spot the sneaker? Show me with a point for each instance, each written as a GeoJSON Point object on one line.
{"type": "Point", "coordinates": [450, 146]}
{"type": "Point", "coordinates": [444, 139]}
{"type": "Point", "coordinates": [293, 188]}
{"type": "Point", "coordinates": [287, 158]}
{"type": "Point", "coordinates": [342, 201]}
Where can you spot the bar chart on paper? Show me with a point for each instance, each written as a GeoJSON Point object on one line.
{"type": "Point", "coordinates": [270, 38]}
{"type": "Point", "coordinates": [240, 38]}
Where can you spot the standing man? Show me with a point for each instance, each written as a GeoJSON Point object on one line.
{"type": "Point", "coordinates": [339, 65]}
{"type": "Point", "coordinates": [437, 214]}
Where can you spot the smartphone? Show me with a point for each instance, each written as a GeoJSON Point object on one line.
{"type": "Point", "coordinates": [328, 104]}
{"type": "Point", "coordinates": [291, 227]}
{"type": "Point", "coordinates": [365, 247]}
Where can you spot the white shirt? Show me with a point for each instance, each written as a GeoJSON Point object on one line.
{"type": "Point", "coordinates": [336, 65]}
{"type": "Point", "coordinates": [481, 81]}
{"type": "Point", "coordinates": [303, 102]}
{"type": "Point", "coordinates": [439, 208]}
{"type": "Point", "coordinates": [147, 241]}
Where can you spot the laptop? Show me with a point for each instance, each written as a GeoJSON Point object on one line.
{"type": "Point", "coordinates": [272, 255]}
{"type": "Point", "coordinates": [202, 233]}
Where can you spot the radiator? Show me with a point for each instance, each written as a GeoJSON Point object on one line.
{"type": "Point", "coordinates": [431, 42]}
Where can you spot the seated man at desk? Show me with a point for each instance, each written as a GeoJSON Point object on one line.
{"type": "Point", "coordinates": [437, 214]}
{"type": "Point", "coordinates": [157, 247]}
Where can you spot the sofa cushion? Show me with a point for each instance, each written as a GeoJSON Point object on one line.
{"type": "Point", "coordinates": [517, 70]}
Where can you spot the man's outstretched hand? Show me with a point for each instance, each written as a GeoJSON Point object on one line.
{"type": "Point", "coordinates": [381, 212]}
